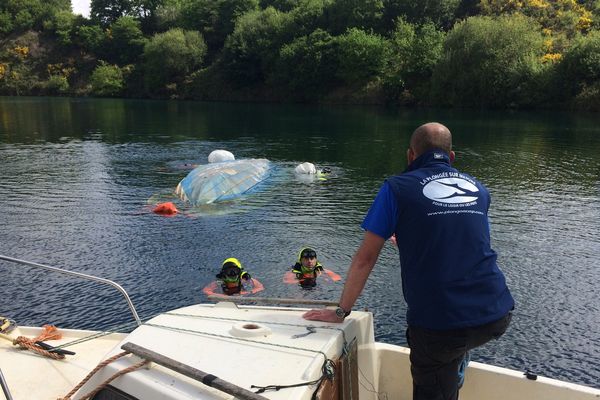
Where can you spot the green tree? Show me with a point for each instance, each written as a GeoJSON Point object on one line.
{"type": "Point", "coordinates": [126, 43]}
{"type": "Point", "coordinates": [170, 56]}
{"type": "Point", "coordinates": [579, 71]}
{"type": "Point", "coordinates": [61, 23]}
{"type": "Point", "coordinates": [363, 14]}
{"type": "Point", "coordinates": [6, 24]}
{"type": "Point", "coordinates": [90, 37]}
{"type": "Point", "coordinates": [215, 19]}
{"type": "Point", "coordinates": [441, 12]}
{"type": "Point", "coordinates": [362, 56]}
{"type": "Point", "coordinates": [306, 17]}
{"type": "Point", "coordinates": [57, 84]}
{"type": "Point", "coordinates": [280, 5]}
{"type": "Point", "coordinates": [251, 51]}
{"type": "Point", "coordinates": [490, 62]}
{"type": "Point", "coordinates": [308, 65]}
{"type": "Point", "coordinates": [21, 15]}
{"type": "Point", "coordinates": [416, 51]}
{"type": "Point", "coordinates": [565, 16]}
{"type": "Point", "coordinates": [147, 13]}
{"type": "Point", "coordinates": [107, 80]}
{"type": "Point", "coordinates": [106, 12]}
{"type": "Point", "coordinates": [169, 14]}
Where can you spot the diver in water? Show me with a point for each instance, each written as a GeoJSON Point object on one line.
{"type": "Point", "coordinates": [231, 276]}
{"type": "Point", "coordinates": [307, 268]}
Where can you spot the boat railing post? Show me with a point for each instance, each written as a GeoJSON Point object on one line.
{"type": "Point", "coordinates": [79, 275]}
{"type": "Point", "coordinates": [5, 387]}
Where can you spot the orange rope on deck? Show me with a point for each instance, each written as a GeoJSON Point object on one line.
{"type": "Point", "coordinates": [106, 382]}
{"type": "Point", "coordinates": [49, 333]}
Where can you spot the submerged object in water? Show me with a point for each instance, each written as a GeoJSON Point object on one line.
{"type": "Point", "coordinates": [307, 172]}
{"type": "Point", "coordinates": [167, 209]}
{"type": "Point", "coordinates": [306, 168]}
{"type": "Point", "coordinates": [222, 181]}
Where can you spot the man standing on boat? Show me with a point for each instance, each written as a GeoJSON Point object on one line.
{"type": "Point", "coordinates": [456, 295]}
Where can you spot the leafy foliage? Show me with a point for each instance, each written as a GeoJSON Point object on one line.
{"type": "Point", "coordinates": [308, 65]}
{"type": "Point", "coordinates": [107, 80]}
{"type": "Point", "coordinates": [477, 53]}
{"type": "Point", "coordinates": [106, 12]}
{"type": "Point", "coordinates": [442, 13]}
{"type": "Point", "coordinates": [416, 50]}
{"type": "Point", "coordinates": [252, 49]}
{"type": "Point", "coordinates": [362, 14]}
{"type": "Point", "coordinates": [579, 69]}
{"type": "Point", "coordinates": [61, 22]}
{"type": "Point", "coordinates": [215, 19]}
{"type": "Point", "coordinates": [21, 15]}
{"type": "Point", "coordinates": [487, 62]}
{"type": "Point", "coordinates": [126, 41]}
{"type": "Point", "coordinates": [57, 84]}
{"type": "Point", "coordinates": [361, 56]}
{"type": "Point", "coordinates": [90, 37]}
{"type": "Point", "coordinates": [170, 56]}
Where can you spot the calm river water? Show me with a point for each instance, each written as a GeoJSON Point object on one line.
{"type": "Point", "coordinates": [78, 176]}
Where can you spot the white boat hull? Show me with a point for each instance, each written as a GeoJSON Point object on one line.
{"type": "Point", "coordinates": [252, 345]}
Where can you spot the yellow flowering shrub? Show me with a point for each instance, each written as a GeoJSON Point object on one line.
{"type": "Point", "coordinates": [550, 14]}
{"type": "Point", "coordinates": [22, 51]}
{"type": "Point", "coordinates": [585, 21]}
{"type": "Point", "coordinates": [551, 57]}
{"type": "Point", "coordinates": [59, 69]}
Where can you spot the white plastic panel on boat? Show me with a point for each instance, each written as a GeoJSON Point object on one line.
{"type": "Point", "coordinates": [249, 329]}
{"type": "Point", "coordinates": [208, 338]}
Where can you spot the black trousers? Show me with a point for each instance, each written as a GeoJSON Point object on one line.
{"type": "Point", "coordinates": [435, 356]}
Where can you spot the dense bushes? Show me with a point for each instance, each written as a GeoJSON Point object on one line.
{"type": "Point", "coordinates": [489, 62]}
{"type": "Point", "coordinates": [485, 53]}
{"type": "Point", "coordinates": [170, 57]}
{"type": "Point", "coordinates": [107, 80]}
{"type": "Point", "coordinates": [308, 66]}
{"type": "Point", "coordinates": [581, 63]}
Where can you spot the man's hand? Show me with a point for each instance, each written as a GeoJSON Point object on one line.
{"type": "Point", "coordinates": [325, 315]}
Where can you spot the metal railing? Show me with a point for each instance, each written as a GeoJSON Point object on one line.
{"type": "Point", "coordinates": [79, 275]}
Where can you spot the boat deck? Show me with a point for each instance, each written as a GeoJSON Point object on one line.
{"type": "Point", "coordinates": [31, 376]}
{"type": "Point", "coordinates": [249, 346]}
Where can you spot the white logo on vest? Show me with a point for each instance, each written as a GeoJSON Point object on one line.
{"type": "Point", "coordinates": [451, 190]}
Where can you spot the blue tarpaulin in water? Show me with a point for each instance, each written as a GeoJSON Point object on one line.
{"type": "Point", "coordinates": [222, 181]}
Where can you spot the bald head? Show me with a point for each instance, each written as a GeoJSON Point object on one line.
{"type": "Point", "coordinates": [429, 136]}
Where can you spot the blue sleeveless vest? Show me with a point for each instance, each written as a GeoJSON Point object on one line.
{"type": "Point", "coordinates": [449, 273]}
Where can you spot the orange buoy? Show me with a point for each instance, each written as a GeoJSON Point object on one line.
{"type": "Point", "coordinates": [167, 208]}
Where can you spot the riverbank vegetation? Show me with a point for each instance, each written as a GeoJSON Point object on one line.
{"type": "Point", "coordinates": [453, 53]}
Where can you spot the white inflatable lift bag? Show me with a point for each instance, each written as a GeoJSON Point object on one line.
{"type": "Point", "coordinates": [217, 156]}
{"type": "Point", "coordinates": [306, 168]}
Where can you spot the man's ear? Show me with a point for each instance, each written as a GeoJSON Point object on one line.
{"type": "Point", "coordinates": [410, 156]}
{"type": "Point", "coordinates": [452, 156]}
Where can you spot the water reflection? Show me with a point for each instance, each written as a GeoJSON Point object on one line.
{"type": "Point", "coordinates": [78, 176]}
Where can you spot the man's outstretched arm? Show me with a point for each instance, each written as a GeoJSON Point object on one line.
{"type": "Point", "coordinates": [362, 264]}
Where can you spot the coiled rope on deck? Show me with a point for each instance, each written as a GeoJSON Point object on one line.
{"type": "Point", "coordinates": [50, 332]}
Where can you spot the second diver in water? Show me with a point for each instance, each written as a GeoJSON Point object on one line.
{"type": "Point", "coordinates": [307, 268]}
